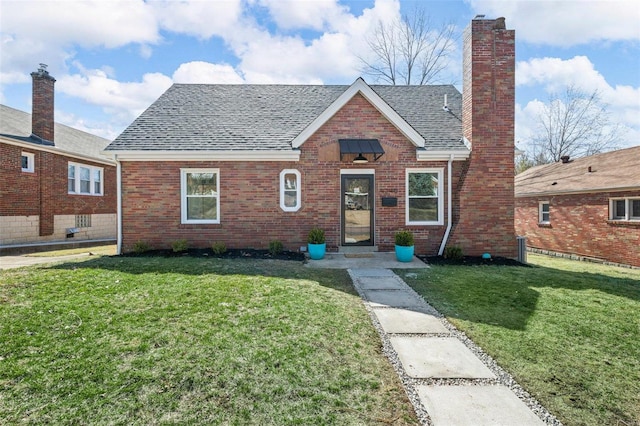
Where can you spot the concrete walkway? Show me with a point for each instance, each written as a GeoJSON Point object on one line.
{"type": "Point", "coordinates": [442, 370]}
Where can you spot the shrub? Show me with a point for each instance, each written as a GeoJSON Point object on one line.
{"type": "Point", "coordinates": [179, 246]}
{"type": "Point", "coordinates": [404, 238]}
{"type": "Point", "coordinates": [316, 236]}
{"type": "Point", "coordinates": [141, 247]}
{"type": "Point", "coordinates": [219, 247]}
{"type": "Point", "coordinates": [453, 252]}
{"type": "Point", "coordinates": [275, 247]}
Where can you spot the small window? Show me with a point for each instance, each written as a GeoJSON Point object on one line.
{"type": "Point", "coordinates": [200, 199]}
{"type": "Point", "coordinates": [85, 180]}
{"type": "Point", "coordinates": [425, 201]}
{"type": "Point", "coordinates": [543, 212]}
{"type": "Point", "coordinates": [624, 209]}
{"type": "Point", "coordinates": [290, 190]}
{"type": "Point", "coordinates": [28, 160]}
{"type": "Point", "coordinates": [83, 221]}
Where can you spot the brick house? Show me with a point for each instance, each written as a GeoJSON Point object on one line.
{"type": "Point", "coordinates": [248, 164]}
{"type": "Point", "coordinates": [56, 185]}
{"type": "Point", "coordinates": [588, 207]}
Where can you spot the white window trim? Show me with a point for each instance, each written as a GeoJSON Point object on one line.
{"type": "Point", "coordinates": [283, 190]}
{"type": "Point", "coordinates": [183, 196]}
{"type": "Point", "coordinates": [30, 162]}
{"type": "Point", "coordinates": [92, 169]}
{"type": "Point", "coordinates": [627, 209]}
{"type": "Point", "coordinates": [540, 213]}
{"type": "Point", "coordinates": [440, 174]}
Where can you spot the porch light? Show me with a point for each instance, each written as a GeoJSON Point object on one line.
{"type": "Point", "coordinates": [360, 159]}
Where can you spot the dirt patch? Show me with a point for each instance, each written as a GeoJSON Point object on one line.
{"type": "Point", "coordinates": [229, 254]}
{"type": "Point", "coordinates": [471, 261]}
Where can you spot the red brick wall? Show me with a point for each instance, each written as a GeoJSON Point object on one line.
{"type": "Point", "coordinates": [580, 225]}
{"type": "Point", "coordinates": [486, 196]}
{"type": "Point", "coordinates": [44, 192]}
{"type": "Point", "coordinates": [249, 206]}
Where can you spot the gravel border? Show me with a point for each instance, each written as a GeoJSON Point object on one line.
{"type": "Point", "coordinates": [410, 384]}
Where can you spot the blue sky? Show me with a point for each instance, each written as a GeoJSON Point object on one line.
{"type": "Point", "coordinates": [112, 59]}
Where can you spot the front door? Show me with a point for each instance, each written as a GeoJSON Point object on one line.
{"type": "Point", "coordinates": [357, 210]}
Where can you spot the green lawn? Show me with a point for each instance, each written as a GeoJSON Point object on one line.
{"type": "Point", "coordinates": [569, 332]}
{"type": "Point", "coordinates": [191, 340]}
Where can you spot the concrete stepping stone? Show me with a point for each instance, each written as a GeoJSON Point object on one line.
{"type": "Point", "coordinates": [475, 406]}
{"type": "Point", "coordinates": [438, 357]}
{"type": "Point", "coordinates": [408, 321]}
{"type": "Point", "coordinates": [371, 272]}
{"type": "Point", "coordinates": [382, 283]}
{"type": "Point", "coordinates": [393, 299]}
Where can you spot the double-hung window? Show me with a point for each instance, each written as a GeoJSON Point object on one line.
{"type": "Point", "coordinates": [85, 180]}
{"type": "Point", "coordinates": [425, 200]}
{"type": "Point", "coordinates": [624, 209]}
{"type": "Point", "coordinates": [543, 213]}
{"type": "Point", "coordinates": [200, 197]}
{"type": "Point", "coordinates": [290, 190]}
{"type": "Point", "coordinates": [28, 162]}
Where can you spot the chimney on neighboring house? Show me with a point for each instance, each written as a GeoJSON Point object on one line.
{"type": "Point", "coordinates": [42, 120]}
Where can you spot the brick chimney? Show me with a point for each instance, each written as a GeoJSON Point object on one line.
{"type": "Point", "coordinates": [486, 196]}
{"type": "Point", "coordinates": [42, 110]}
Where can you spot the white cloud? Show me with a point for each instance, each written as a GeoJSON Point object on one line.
{"type": "Point", "coordinates": [206, 73]}
{"type": "Point", "coordinates": [126, 100]}
{"type": "Point", "coordinates": [314, 14]}
{"type": "Point", "coordinates": [566, 23]}
{"type": "Point", "coordinates": [202, 19]}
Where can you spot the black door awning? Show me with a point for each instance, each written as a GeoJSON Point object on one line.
{"type": "Point", "coordinates": [361, 146]}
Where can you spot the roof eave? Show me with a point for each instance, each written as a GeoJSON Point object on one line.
{"type": "Point", "coordinates": [577, 191]}
{"type": "Point", "coordinates": [58, 151]}
{"type": "Point", "coordinates": [442, 155]}
{"type": "Point", "coordinates": [126, 155]}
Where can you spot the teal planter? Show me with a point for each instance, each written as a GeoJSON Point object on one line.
{"type": "Point", "coordinates": [317, 251]}
{"type": "Point", "coordinates": [404, 254]}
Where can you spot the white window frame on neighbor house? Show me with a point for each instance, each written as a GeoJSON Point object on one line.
{"type": "Point", "coordinates": [184, 196]}
{"type": "Point", "coordinates": [630, 214]}
{"type": "Point", "coordinates": [541, 213]}
{"type": "Point", "coordinates": [30, 162]}
{"type": "Point", "coordinates": [96, 179]}
{"type": "Point", "coordinates": [439, 172]}
{"type": "Point", "coordinates": [286, 187]}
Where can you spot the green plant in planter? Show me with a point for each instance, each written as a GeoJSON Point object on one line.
{"type": "Point", "coordinates": [404, 238]}
{"type": "Point", "coordinates": [316, 236]}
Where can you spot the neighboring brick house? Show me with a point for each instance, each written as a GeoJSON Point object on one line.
{"type": "Point", "coordinates": [56, 185]}
{"type": "Point", "coordinates": [588, 207]}
{"type": "Point", "coordinates": [248, 164]}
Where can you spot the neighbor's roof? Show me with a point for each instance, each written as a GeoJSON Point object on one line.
{"type": "Point", "coordinates": [15, 125]}
{"type": "Point", "coordinates": [610, 171]}
{"type": "Point", "coordinates": [192, 117]}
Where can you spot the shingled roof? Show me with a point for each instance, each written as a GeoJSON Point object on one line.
{"type": "Point", "coordinates": [194, 117]}
{"type": "Point", "coordinates": [15, 125]}
{"type": "Point", "coordinates": [610, 171]}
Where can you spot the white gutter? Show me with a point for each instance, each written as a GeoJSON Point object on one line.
{"type": "Point", "coordinates": [449, 208]}
{"type": "Point", "coordinates": [119, 202]}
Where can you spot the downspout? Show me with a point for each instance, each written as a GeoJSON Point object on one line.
{"type": "Point", "coordinates": [119, 204]}
{"type": "Point", "coordinates": [449, 207]}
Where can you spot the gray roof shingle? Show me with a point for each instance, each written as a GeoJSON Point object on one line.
{"type": "Point", "coordinates": [16, 124]}
{"type": "Point", "coordinates": [192, 117]}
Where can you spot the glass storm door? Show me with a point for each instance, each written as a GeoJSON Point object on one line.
{"type": "Point", "coordinates": [357, 210]}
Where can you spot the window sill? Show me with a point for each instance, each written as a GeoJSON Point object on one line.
{"type": "Point", "coordinates": [617, 222]}
{"type": "Point", "coordinates": [544, 225]}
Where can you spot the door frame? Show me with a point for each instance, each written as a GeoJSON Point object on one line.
{"type": "Point", "coordinates": [358, 174]}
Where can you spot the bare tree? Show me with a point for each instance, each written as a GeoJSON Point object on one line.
{"type": "Point", "coordinates": [410, 50]}
{"type": "Point", "coordinates": [574, 124]}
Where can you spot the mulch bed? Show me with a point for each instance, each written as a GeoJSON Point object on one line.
{"type": "Point", "coordinates": [471, 261]}
{"type": "Point", "coordinates": [229, 254]}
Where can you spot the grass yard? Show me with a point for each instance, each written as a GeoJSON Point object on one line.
{"type": "Point", "coordinates": [190, 340]}
{"type": "Point", "coordinates": [569, 332]}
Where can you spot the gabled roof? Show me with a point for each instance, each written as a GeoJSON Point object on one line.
{"type": "Point", "coordinates": [268, 119]}
{"type": "Point", "coordinates": [15, 127]}
{"type": "Point", "coordinates": [610, 171]}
